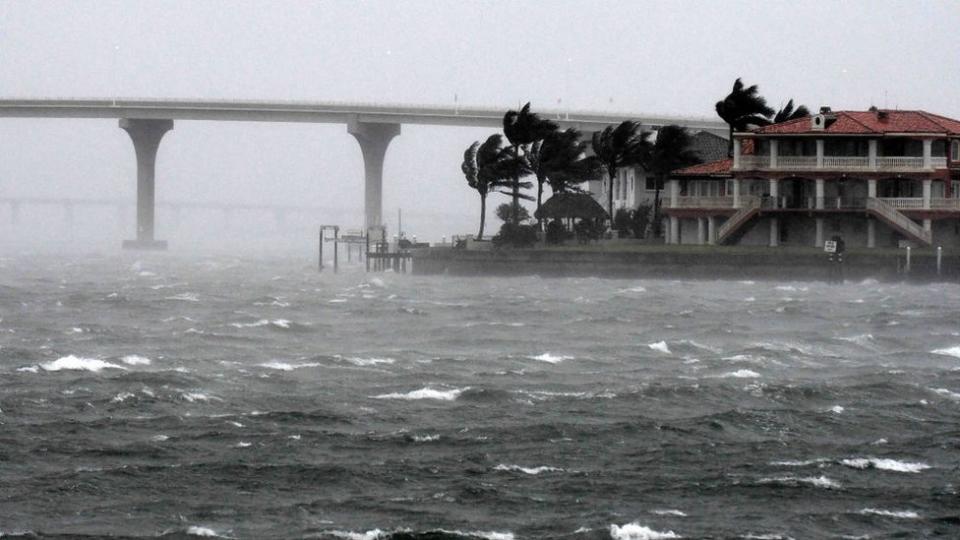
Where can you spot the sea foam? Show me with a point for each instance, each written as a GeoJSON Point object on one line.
{"type": "Point", "coordinates": [949, 351]}
{"type": "Point", "coordinates": [900, 514]}
{"type": "Point", "coordinates": [425, 393]}
{"type": "Point", "coordinates": [660, 346]}
{"type": "Point", "coordinates": [793, 481]}
{"type": "Point", "coordinates": [135, 360]}
{"type": "Point", "coordinates": [77, 363]}
{"type": "Point", "coordinates": [636, 531]}
{"type": "Point", "coordinates": [551, 358]}
{"type": "Point", "coordinates": [884, 464]}
{"type": "Point", "coordinates": [527, 470]}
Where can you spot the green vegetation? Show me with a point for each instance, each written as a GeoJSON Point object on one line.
{"type": "Point", "coordinates": [620, 146]}
{"type": "Point", "coordinates": [744, 107]}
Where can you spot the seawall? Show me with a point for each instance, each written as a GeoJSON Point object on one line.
{"type": "Point", "coordinates": [713, 263]}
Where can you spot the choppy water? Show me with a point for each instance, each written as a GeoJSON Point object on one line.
{"type": "Point", "coordinates": [257, 399]}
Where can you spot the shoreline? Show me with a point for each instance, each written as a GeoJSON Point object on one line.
{"type": "Point", "coordinates": [694, 262]}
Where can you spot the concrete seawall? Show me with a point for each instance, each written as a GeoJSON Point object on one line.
{"type": "Point", "coordinates": [718, 263]}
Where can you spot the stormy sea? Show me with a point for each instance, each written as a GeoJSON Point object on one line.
{"type": "Point", "coordinates": [166, 396]}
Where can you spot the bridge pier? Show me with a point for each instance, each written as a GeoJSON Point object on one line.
{"type": "Point", "coordinates": [146, 135]}
{"type": "Point", "coordinates": [374, 139]}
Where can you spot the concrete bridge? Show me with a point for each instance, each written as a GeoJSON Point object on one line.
{"type": "Point", "coordinates": [372, 125]}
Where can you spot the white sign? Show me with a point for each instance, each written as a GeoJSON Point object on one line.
{"type": "Point", "coordinates": [830, 246]}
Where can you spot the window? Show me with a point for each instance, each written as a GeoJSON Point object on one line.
{"type": "Point", "coordinates": [955, 151]}
{"type": "Point", "coordinates": [955, 189]}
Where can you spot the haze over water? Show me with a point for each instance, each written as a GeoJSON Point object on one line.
{"type": "Point", "coordinates": [255, 398]}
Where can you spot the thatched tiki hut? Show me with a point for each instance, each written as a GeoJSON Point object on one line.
{"type": "Point", "coordinates": [572, 213]}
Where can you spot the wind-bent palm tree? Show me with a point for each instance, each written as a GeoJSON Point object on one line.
{"type": "Point", "coordinates": [560, 160]}
{"type": "Point", "coordinates": [789, 113]}
{"type": "Point", "coordinates": [742, 108]}
{"type": "Point", "coordinates": [522, 129]}
{"type": "Point", "coordinates": [619, 146]}
{"type": "Point", "coordinates": [487, 169]}
{"type": "Point", "coordinates": [670, 152]}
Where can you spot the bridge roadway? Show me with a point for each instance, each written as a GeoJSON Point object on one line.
{"type": "Point", "coordinates": [372, 125]}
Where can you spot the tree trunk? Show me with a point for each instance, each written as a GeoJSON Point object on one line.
{"type": "Point", "coordinates": [483, 215]}
{"type": "Point", "coordinates": [656, 207]}
{"type": "Point", "coordinates": [539, 198]}
{"type": "Point", "coordinates": [610, 174]}
{"type": "Point", "coordinates": [515, 209]}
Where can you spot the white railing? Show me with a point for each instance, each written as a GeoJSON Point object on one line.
{"type": "Point", "coordinates": [704, 202]}
{"type": "Point", "coordinates": [858, 163]}
{"type": "Point", "coordinates": [750, 206]}
{"type": "Point", "coordinates": [893, 216]}
{"type": "Point", "coordinates": [899, 163]}
{"type": "Point", "coordinates": [904, 203]}
{"type": "Point", "coordinates": [945, 204]}
{"type": "Point", "coordinates": [846, 162]}
{"type": "Point", "coordinates": [797, 162]}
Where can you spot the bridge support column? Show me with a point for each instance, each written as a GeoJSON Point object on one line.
{"type": "Point", "coordinates": [373, 139]}
{"type": "Point", "coordinates": [146, 135]}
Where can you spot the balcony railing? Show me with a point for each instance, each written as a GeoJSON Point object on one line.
{"type": "Point", "coordinates": [704, 202]}
{"type": "Point", "coordinates": [843, 163]}
{"type": "Point", "coordinates": [904, 203]}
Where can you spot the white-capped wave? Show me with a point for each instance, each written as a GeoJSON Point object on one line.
{"type": "Point", "coordinates": [741, 374]}
{"type": "Point", "coordinates": [198, 396]}
{"type": "Point", "coordinates": [527, 470]}
{"type": "Point", "coordinates": [863, 340]}
{"type": "Point", "coordinates": [205, 532]}
{"type": "Point", "coordinates": [900, 514]}
{"type": "Point", "coordinates": [135, 360]}
{"type": "Point", "coordinates": [159, 438]}
{"type": "Point", "coordinates": [885, 464]}
{"type": "Point", "coordinates": [949, 351]}
{"type": "Point", "coordinates": [242, 444]}
{"type": "Point", "coordinates": [29, 369]}
{"type": "Point", "coordinates": [669, 512]}
{"type": "Point", "coordinates": [425, 393]}
{"type": "Point", "coordinates": [637, 289]}
{"type": "Point", "coordinates": [793, 481]}
{"type": "Point", "coordinates": [77, 363]}
{"type": "Point", "coordinates": [284, 366]}
{"type": "Point", "coordinates": [636, 531]}
{"type": "Point", "coordinates": [121, 397]}
{"type": "Point", "coordinates": [942, 391]}
{"type": "Point", "coordinates": [799, 463]}
{"type": "Point", "coordinates": [767, 536]}
{"type": "Point", "coordinates": [837, 409]}
{"type": "Point", "coordinates": [365, 362]}
{"type": "Point", "coordinates": [426, 438]}
{"type": "Point", "coordinates": [375, 534]}
{"type": "Point", "coordinates": [660, 346]}
{"type": "Point", "coordinates": [551, 358]}
{"type": "Point", "coordinates": [184, 297]}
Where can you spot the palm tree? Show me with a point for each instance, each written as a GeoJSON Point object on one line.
{"type": "Point", "coordinates": [742, 108]}
{"type": "Point", "coordinates": [619, 146]}
{"type": "Point", "coordinates": [670, 152]}
{"type": "Point", "coordinates": [523, 129]}
{"type": "Point", "coordinates": [560, 160]}
{"type": "Point", "coordinates": [789, 113]}
{"type": "Point", "coordinates": [487, 168]}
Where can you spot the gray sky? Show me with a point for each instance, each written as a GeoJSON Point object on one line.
{"type": "Point", "coordinates": [667, 57]}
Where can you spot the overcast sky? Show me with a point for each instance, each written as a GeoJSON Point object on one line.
{"type": "Point", "coordinates": [675, 58]}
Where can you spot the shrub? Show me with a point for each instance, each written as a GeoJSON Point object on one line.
{"type": "Point", "coordinates": [588, 229]}
{"type": "Point", "coordinates": [640, 219]}
{"type": "Point", "coordinates": [556, 232]}
{"type": "Point", "coordinates": [623, 222]}
{"type": "Point", "coordinates": [516, 235]}
{"type": "Point", "coordinates": [505, 213]}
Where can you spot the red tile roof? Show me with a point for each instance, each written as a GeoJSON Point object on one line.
{"type": "Point", "coordinates": [713, 168]}
{"type": "Point", "coordinates": [869, 122]}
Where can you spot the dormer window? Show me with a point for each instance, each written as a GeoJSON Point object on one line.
{"type": "Point", "coordinates": [955, 150]}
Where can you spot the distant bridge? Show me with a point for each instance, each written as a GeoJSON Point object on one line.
{"type": "Point", "coordinates": [373, 126]}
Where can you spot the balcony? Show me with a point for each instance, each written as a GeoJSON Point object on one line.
{"type": "Point", "coordinates": [812, 203]}
{"type": "Point", "coordinates": [840, 163]}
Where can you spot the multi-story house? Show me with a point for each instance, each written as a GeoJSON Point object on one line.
{"type": "Point", "coordinates": [875, 178]}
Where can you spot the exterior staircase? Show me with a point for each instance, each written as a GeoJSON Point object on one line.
{"type": "Point", "coordinates": [750, 208]}
{"type": "Point", "coordinates": [896, 219]}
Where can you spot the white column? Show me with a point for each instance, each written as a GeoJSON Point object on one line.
{"type": "Point", "coordinates": [819, 153]}
{"type": "Point", "coordinates": [736, 153]}
{"type": "Point", "coordinates": [927, 184]}
{"type": "Point", "coordinates": [773, 153]}
{"type": "Point", "coordinates": [928, 153]}
{"type": "Point", "coordinates": [774, 192]}
{"type": "Point", "coordinates": [736, 193]}
{"type": "Point", "coordinates": [871, 233]}
{"type": "Point", "coordinates": [819, 194]}
{"type": "Point", "coordinates": [701, 231]}
{"type": "Point", "coordinates": [818, 242]}
{"type": "Point", "coordinates": [927, 224]}
{"type": "Point", "coordinates": [712, 230]}
{"type": "Point", "coordinates": [872, 153]}
{"type": "Point", "coordinates": [674, 230]}
{"type": "Point", "coordinates": [774, 232]}
{"type": "Point", "coordinates": [674, 193]}
{"type": "Point", "coordinates": [872, 188]}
